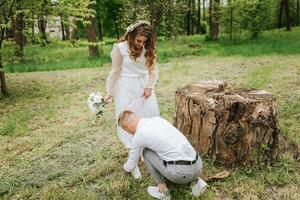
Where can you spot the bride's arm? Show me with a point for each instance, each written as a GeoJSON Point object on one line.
{"type": "Point", "coordinates": [114, 72]}
{"type": "Point", "coordinates": [153, 76]}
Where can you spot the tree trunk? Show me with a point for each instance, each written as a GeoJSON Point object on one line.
{"type": "Point", "coordinates": [4, 90]}
{"type": "Point", "coordinates": [231, 21]}
{"type": "Point", "coordinates": [19, 38]}
{"type": "Point", "coordinates": [100, 31]}
{"type": "Point", "coordinates": [42, 24]}
{"type": "Point", "coordinates": [157, 12]}
{"type": "Point", "coordinates": [73, 36]}
{"type": "Point", "coordinates": [199, 17]}
{"type": "Point", "coordinates": [235, 127]}
{"type": "Point", "coordinates": [67, 29]}
{"type": "Point", "coordinates": [92, 39]}
{"type": "Point", "coordinates": [298, 12]}
{"type": "Point", "coordinates": [32, 28]}
{"type": "Point", "coordinates": [63, 36]}
{"type": "Point", "coordinates": [210, 17]}
{"type": "Point", "coordinates": [116, 26]}
{"type": "Point", "coordinates": [193, 17]}
{"type": "Point", "coordinates": [98, 20]}
{"type": "Point", "coordinates": [203, 10]}
{"type": "Point", "coordinates": [170, 32]}
{"type": "Point", "coordinates": [215, 19]}
{"type": "Point", "coordinates": [280, 13]}
{"type": "Point", "coordinates": [188, 19]}
{"type": "Point", "coordinates": [287, 15]}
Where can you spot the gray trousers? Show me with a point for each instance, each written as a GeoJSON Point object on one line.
{"type": "Point", "coordinates": [181, 174]}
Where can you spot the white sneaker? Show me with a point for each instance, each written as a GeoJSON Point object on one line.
{"type": "Point", "coordinates": [136, 173]}
{"type": "Point", "coordinates": [154, 192]}
{"type": "Point", "coordinates": [199, 187]}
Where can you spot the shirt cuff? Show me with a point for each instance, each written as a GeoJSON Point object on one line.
{"type": "Point", "coordinates": [128, 168]}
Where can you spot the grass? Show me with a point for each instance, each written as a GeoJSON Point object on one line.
{"type": "Point", "coordinates": [62, 55]}
{"type": "Point", "coordinates": [53, 148]}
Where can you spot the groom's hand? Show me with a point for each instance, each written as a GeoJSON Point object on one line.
{"type": "Point", "coordinates": [147, 92]}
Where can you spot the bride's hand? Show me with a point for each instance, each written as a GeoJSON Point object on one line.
{"type": "Point", "coordinates": [147, 92]}
{"type": "Point", "coordinates": [107, 98]}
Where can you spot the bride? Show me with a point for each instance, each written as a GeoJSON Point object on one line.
{"type": "Point", "coordinates": [134, 74]}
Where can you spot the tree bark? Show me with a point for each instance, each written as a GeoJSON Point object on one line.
{"type": "Point", "coordinates": [170, 20]}
{"type": "Point", "coordinates": [4, 90]}
{"type": "Point", "coordinates": [19, 26]}
{"type": "Point", "coordinates": [235, 127]}
{"type": "Point", "coordinates": [73, 36]}
{"type": "Point", "coordinates": [210, 17]}
{"type": "Point", "coordinates": [231, 20]}
{"type": "Point", "coordinates": [287, 15]}
{"type": "Point", "coordinates": [203, 10]}
{"type": "Point", "coordinates": [193, 16]}
{"type": "Point", "coordinates": [67, 30]}
{"type": "Point", "coordinates": [92, 39]}
{"type": "Point", "coordinates": [188, 19]}
{"type": "Point", "coordinates": [199, 17]}
{"type": "Point", "coordinates": [215, 19]}
{"type": "Point", "coordinates": [42, 24]}
{"type": "Point", "coordinates": [100, 31]}
{"type": "Point", "coordinates": [63, 36]}
{"type": "Point", "coordinates": [298, 12]}
{"type": "Point", "coordinates": [280, 13]}
{"type": "Point", "coordinates": [98, 20]}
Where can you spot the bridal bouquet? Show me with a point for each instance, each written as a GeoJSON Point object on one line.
{"type": "Point", "coordinates": [96, 103]}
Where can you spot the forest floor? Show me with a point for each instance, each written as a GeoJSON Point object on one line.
{"type": "Point", "coordinates": [52, 147]}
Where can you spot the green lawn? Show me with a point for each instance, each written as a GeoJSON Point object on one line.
{"type": "Point", "coordinates": [53, 148]}
{"type": "Point", "coordinates": [62, 55]}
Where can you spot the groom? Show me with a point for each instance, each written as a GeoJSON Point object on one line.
{"type": "Point", "coordinates": [166, 151]}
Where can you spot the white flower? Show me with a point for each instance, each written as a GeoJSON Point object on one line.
{"type": "Point", "coordinates": [96, 103]}
{"type": "Point", "coordinates": [137, 24]}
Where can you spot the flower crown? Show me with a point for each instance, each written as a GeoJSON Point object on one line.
{"type": "Point", "coordinates": [136, 24]}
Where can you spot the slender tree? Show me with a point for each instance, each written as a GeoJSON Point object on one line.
{"type": "Point", "coordinates": [63, 35]}
{"type": "Point", "coordinates": [287, 15]}
{"type": "Point", "coordinates": [297, 12]}
{"type": "Point", "coordinates": [4, 20]}
{"type": "Point", "coordinates": [18, 27]}
{"type": "Point", "coordinates": [42, 22]}
{"type": "Point", "coordinates": [188, 18]}
{"type": "Point", "coordinates": [280, 13]}
{"type": "Point", "coordinates": [203, 10]}
{"type": "Point", "coordinates": [170, 18]}
{"type": "Point", "coordinates": [193, 5]}
{"type": "Point", "coordinates": [199, 17]}
{"type": "Point", "coordinates": [91, 35]}
{"type": "Point", "coordinates": [98, 20]}
{"type": "Point", "coordinates": [214, 17]}
{"type": "Point", "coordinates": [284, 7]}
{"type": "Point", "coordinates": [230, 19]}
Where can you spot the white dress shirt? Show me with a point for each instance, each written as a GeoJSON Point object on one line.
{"type": "Point", "coordinates": [161, 137]}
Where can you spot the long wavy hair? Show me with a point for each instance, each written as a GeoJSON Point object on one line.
{"type": "Point", "coordinates": [150, 45]}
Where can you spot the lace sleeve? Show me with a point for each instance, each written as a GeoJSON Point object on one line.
{"type": "Point", "coordinates": [115, 70]}
{"type": "Point", "coordinates": [153, 77]}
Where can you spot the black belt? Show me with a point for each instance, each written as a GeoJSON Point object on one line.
{"type": "Point", "coordinates": [181, 162]}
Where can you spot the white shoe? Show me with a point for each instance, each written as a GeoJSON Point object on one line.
{"type": "Point", "coordinates": [136, 173]}
{"type": "Point", "coordinates": [154, 192]}
{"type": "Point", "coordinates": [199, 187]}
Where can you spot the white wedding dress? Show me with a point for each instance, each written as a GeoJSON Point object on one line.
{"type": "Point", "coordinates": [127, 81]}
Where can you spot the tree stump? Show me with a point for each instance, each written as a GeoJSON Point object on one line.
{"type": "Point", "coordinates": [236, 127]}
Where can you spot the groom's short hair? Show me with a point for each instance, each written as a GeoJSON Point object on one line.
{"type": "Point", "coordinates": [124, 117]}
